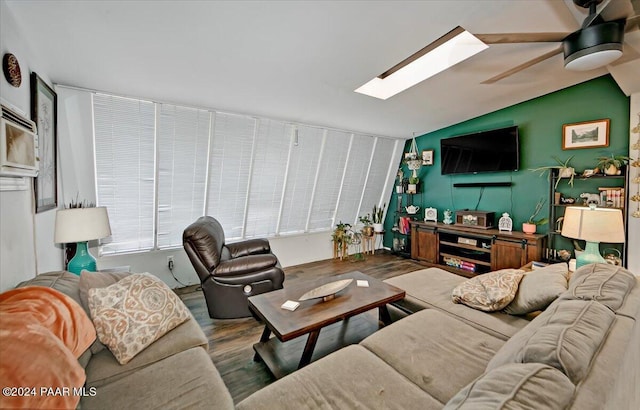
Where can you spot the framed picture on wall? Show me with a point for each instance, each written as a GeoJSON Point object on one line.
{"type": "Point", "coordinates": [588, 134]}
{"type": "Point", "coordinates": [44, 111]}
{"type": "Point", "coordinates": [427, 157]}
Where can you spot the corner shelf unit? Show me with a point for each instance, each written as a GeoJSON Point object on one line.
{"type": "Point", "coordinates": [402, 241]}
{"type": "Point", "coordinates": [593, 184]}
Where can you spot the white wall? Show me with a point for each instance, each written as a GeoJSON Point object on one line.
{"type": "Point", "coordinates": [633, 262]}
{"type": "Point", "coordinates": [26, 238]}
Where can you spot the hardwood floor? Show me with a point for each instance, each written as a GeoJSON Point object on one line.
{"type": "Point", "coordinates": [231, 340]}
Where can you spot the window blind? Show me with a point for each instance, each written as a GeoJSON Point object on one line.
{"type": "Point", "coordinates": [161, 166]}
{"type": "Point", "coordinates": [303, 165]}
{"type": "Point", "coordinates": [354, 179]}
{"type": "Point", "coordinates": [125, 170]}
{"type": "Point", "coordinates": [183, 148]}
{"type": "Point", "coordinates": [229, 171]}
{"type": "Point", "coordinates": [267, 178]}
{"type": "Point", "coordinates": [332, 166]}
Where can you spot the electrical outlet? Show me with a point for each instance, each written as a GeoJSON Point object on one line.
{"type": "Point", "coordinates": [170, 262]}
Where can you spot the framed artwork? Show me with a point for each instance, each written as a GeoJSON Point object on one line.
{"type": "Point", "coordinates": [44, 112]}
{"type": "Point", "coordinates": [427, 157]}
{"type": "Point", "coordinates": [588, 134]}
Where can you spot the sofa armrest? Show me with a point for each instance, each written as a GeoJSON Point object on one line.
{"type": "Point", "coordinates": [249, 247]}
{"type": "Point", "coordinates": [245, 265]}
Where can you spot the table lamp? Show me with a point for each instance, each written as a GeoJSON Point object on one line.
{"type": "Point", "coordinates": [81, 225]}
{"type": "Point", "coordinates": [593, 225]}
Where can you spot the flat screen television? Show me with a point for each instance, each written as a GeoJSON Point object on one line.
{"type": "Point", "coordinates": [485, 151]}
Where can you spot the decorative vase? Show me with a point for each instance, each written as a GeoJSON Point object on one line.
{"type": "Point", "coordinates": [567, 172]}
{"type": "Point", "coordinates": [367, 230]}
{"type": "Point", "coordinates": [611, 170]}
{"type": "Point", "coordinates": [412, 189]}
{"type": "Point", "coordinates": [528, 228]}
{"type": "Point", "coordinates": [378, 228]}
{"type": "Point", "coordinates": [399, 189]}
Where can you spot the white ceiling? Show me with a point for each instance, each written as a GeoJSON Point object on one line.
{"type": "Point", "coordinates": [300, 61]}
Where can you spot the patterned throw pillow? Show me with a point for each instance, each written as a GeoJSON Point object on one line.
{"type": "Point", "coordinates": [490, 291]}
{"type": "Point", "coordinates": [133, 313]}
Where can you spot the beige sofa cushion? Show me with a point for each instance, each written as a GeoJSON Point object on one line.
{"type": "Point", "coordinates": [104, 368]}
{"type": "Point", "coordinates": [608, 284]}
{"type": "Point", "coordinates": [566, 336]}
{"type": "Point", "coordinates": [436, 352]}
{"type": "Point", "coordinates": [516, 386]}
{"type": "Point", "coordinates": [187, 380]}
{"type": "Point", "coordinates": [431, 289]}
{"type": "Point", "coordinates": [539, 288]}
{"type": "Point", "coordinates": [351, 378]}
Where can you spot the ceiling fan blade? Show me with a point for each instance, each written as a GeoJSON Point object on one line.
{"type": "Point", "coordinates": [506, 38]}
{"type": "Point", "coordinates": [632, 23]}
{"type": "Point", "coordinates": [525, 65]}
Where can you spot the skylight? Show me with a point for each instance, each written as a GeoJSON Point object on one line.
{"type": "Point", "coordinates": [447, 51]}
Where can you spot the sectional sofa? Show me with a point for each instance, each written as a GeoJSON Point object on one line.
{"type": "Point", "coordinates": [582, 352]}
{"type": "Point", "coordinates": [174, 372]}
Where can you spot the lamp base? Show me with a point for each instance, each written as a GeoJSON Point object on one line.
{"type": "Point", "coordinates": [591, 254]}
{"type": "Point", "coordinates": [82, 260]}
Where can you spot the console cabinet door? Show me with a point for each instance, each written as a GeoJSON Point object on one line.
{"type": "Point", "coordinates": [424, 244]}
{"type": "Point", "coordinates": [508, 254]}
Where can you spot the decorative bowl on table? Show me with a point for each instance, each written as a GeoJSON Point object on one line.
{"type": "Point", "coordinates": [327, 291]}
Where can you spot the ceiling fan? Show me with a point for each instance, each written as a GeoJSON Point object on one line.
{"type": "Point", "coordinates": [597, 43]}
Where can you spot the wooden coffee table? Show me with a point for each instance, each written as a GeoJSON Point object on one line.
{"type": "Point", "coordinates": [340, 318]}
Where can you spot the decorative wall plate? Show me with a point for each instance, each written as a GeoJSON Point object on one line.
{"type": "Point", "coordinates": [327, 291]}
{"type": "Point", "coordinates": [11, 69]}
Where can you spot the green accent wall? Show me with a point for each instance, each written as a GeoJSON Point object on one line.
{"type": "Point", "coordinates": [540, 124]}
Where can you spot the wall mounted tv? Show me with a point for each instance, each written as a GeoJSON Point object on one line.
{"type": "Point", "coordinates": [485, 151]}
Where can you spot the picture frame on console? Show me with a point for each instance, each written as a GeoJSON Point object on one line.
{"type": "Point", "coordinates": [587, 134]}
{"type": "Point", "coordinates": [44, 107]}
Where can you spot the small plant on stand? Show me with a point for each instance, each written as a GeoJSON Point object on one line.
{"type": "Point", "coordinates": [532, 223]}
{"type": "Point", "coordinates": [378, 214]}
{"type": "Point", "coordinates": [367, 229]}
{"type": "Point", "coordinates": [612, 165]}
{"type": "Point", "coordinates": [412, 188]}
{"type": "Point", "coordinates": [341, 240]}
{"type": "Point", "coordinates": [565, 170]}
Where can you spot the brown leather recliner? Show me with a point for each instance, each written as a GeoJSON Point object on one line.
{"type": "Point", "coordinates": [230, 273]}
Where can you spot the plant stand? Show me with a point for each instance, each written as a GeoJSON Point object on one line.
{"type": "Point", "coordinates": [368, 244]}
{"type": "Point", "coordinates": [340, 250]}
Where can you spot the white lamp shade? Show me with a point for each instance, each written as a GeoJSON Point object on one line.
{"type": "Point", "coordinates": [81, 224]}
{"type": "Point", "coordinates": [593, 224]}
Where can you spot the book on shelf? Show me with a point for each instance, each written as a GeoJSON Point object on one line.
{"type": "Point", "coordinates": [612, 196]}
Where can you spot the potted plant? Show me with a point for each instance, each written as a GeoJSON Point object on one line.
{"type": "Point", "coordinates": [611, 165]}
{"type": "Point", "coordinates": [532, 223]}
{"type": "Point", "coordinates": [367, 229]}
{"type": "Point", "coordinates": [565, 170]}
{"type": "Point", "coordinates": [399, 185]}
{"type": "Point", "coordinates": [378, 214]}
{"type": "Point", "coordinates": [341, 239]}
{"type": "Point", "coordinates": [413, 185]}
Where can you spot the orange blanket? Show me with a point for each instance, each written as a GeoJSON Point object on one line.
{"type": "Point", "coordinates": [42, 333]}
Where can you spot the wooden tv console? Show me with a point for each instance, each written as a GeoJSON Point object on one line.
{"type": "Point", "coordinates": [471, 251]}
